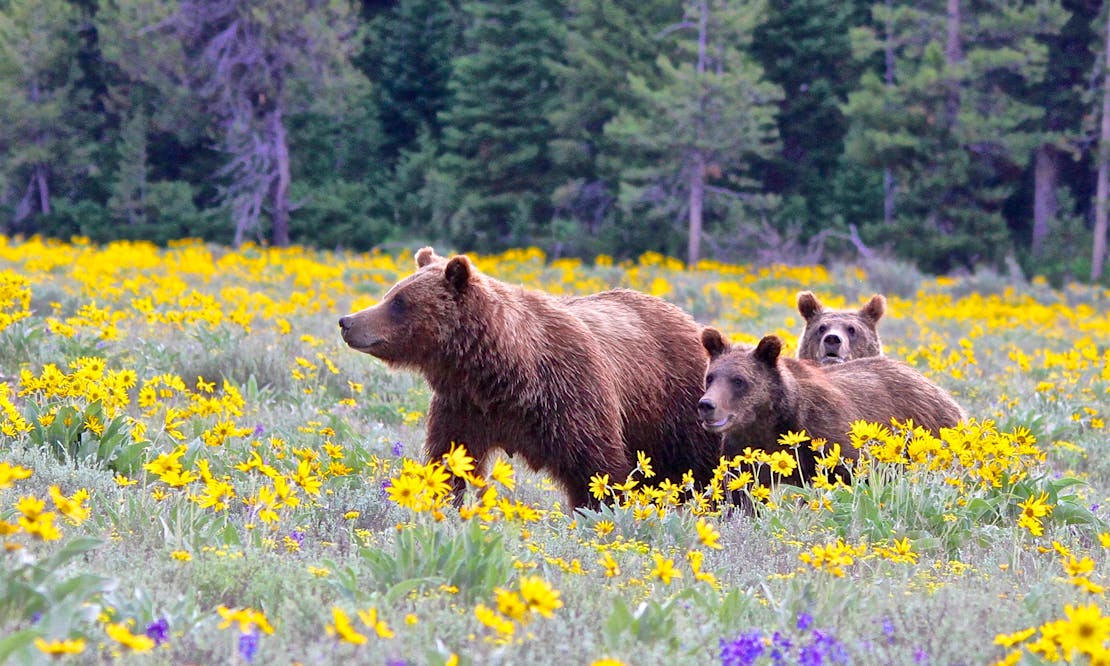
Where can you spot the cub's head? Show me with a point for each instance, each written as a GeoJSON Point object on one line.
{"type": "Point", "coordinates": [739, 383]}
{"type": "Point", "coordinates": [415, 318]}
{"type": "Point", "coordinates": [835, 336]}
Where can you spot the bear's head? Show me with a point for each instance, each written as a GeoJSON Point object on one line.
{"type": "Point", "coordinates": [417, 315]}
{"type": "Point", "coordinates": [740, 382]}
{"type": "Point", "coordinates": [835, 336]}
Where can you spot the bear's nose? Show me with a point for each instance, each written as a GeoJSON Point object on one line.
{"type": "Point", "coordinates": [832, 340]}
{"type": "Point", "coordinates": [705, 405]}
{"type": "Point", "coordinates": [344, 323]}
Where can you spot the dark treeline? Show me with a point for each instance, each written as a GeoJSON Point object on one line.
{"type": "Point", "coordinates": [950, 133]}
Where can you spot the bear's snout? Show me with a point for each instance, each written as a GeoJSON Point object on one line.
{"type": "Point", "coordinates": [832, 341]}
{"type": "Point", "coordinates": [708, 415]}
{"type": "Point", "coordinates": [358, 330]}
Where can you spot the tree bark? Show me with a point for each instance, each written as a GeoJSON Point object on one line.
{"type": "Point", "coordinates": [1098, 245]}
{"type": "Point", "coordinates": [40, 172]}
{"type": "Point", "coordinates": [953, 55]}
{"type": "Point", "coordinates": [697, 197]}
{"type": "Point", "coordinates": [890, 186]}
{"type": "Point", "coordinates": [23, 208]}
{"type": "Point", "coordinates": [43, 187]}
{"type": "Point", "coordinates": [697, 166]}
{"type": "Point", "coordinates": [279, 195]}
{"type": "Point", "coordinates": [1045, 173]}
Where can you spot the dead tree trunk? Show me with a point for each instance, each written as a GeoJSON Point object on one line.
{"type": "Point", "coordinates": [697, 197]}
{"type": "Point", "coordinates": [279, 193]}
{"type": "Point", "coordinates": [1098, 245]}
{"type": "Point", "coordinates": [953, 55]}
{"type": "Point", "coordinates": [890, 186]}
{"type": "Point", "coordinates": [697, 161]}
{"type": "Point", "coordinates": [1045, 173]}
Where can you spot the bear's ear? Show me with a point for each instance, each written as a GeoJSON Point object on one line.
{"type": "Point", "coordinates": [808, 305]}
{"type": "Point", "coordinates": [713, 342]}
{"type": "Point", "coordinates": [425, 256]}
{"type": "Point", "coordinates": [874, 309]}
{"type": "Point", "coordinates": [768, 350]}
{"type": "Point", "coordinates": [458, 272]}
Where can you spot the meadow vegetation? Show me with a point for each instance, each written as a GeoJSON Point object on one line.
{"type": "Point", "coordinates": [195, 469]}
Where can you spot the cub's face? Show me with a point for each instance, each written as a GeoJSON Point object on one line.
{"type": "Point", "coordinates": [410, 323]}
{"type": "Point", "coordinates": [835, 336]}
{"type": "Point", "coordinates": [737, 382]}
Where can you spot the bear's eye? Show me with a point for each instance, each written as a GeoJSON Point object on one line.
{"type": "Point", "coordinates": [709, 379]}
{"type": "Point", "coordinates": [397, 306]}
{"type": "Point", "coordinates": [822, 328]}
{"type": "Point", "coordinates": [852, 331]}
{"type": "Point", "coordinates": [738, 383]}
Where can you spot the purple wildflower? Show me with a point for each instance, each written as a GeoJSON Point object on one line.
{"type": "Point", "coordinates": [780, 648]}
{"type": "Point", "coordinates": [298, 536]}
{"type": "Point", "coordinates": [248, 645]}
{"type": "Point", "coordinates": [398, 448]}
{"type": "Point", "coordinates": [743, 650]}
{"type": "Point", "coordinates": [811, 655]}
{"type": "Point", "coordinates": [258, 430]}
{"type": "Point", "coordinates": [830, 647]}
{"type": "Point", "coordinates": [805, 621]}
{"type": "Point", "coordinates": [158, 630]}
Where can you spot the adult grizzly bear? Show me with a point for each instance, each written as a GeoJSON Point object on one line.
{"type": "Point", "coordinates": [576, 386]}
{"type": "Point", "coordinates": [835, 336]}
{"type": "Point", "coordinates": [753, 396]}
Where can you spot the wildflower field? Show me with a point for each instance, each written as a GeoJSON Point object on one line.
{"type": "Point", "coordinates": [195, 469]}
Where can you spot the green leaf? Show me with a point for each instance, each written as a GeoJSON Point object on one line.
{"type": "Point", "coordinates": [20, 640]}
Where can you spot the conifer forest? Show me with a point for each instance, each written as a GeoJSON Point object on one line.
{"type": "Point", "coordinates": [949, 134]}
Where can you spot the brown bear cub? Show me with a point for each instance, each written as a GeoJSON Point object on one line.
{"type": "Point", "coordinates": [576, 385]}
{"type": "Point", "coordinates": [754, 396]}
{"type": "Point", "coordinates": [835, 336]}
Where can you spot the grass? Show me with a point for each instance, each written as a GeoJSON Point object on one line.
{"type": "Point", "coordinates": [229, 481]}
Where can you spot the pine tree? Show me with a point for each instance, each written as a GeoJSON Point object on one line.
{"type": "Point", "coordinates": [1052, 233]}
{"type": "Point", "coordinates": [693, 137]}
{"type": "Point", "coordinates": [804, 47]}
{"type": "Point", "coordinates": [948, 121]}
{"type": "Point", "coordinates": [42, 146]}
{"type": "Point", "coordinates": [496, 131]}
{"type": "Point", "coordinates": [606, 41]}
{"type": "Point", "coordinates": [248, 66]}
{"type": "Point", "coordinates": [129, 191]}
{"type": "Point", "coordinates": [412, 66]}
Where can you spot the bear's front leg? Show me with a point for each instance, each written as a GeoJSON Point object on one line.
{"type": "Point", "coordinates": [593, 445]}
{"type": "Point", "coordinates": [449, 427]}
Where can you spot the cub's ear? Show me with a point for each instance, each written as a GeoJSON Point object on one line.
{"type": "Point", "coordinates": [458, 272]}
{"type": "Point", "coordinates": [809, 306]}
{"type": "Point", "coordinates": [768, 349]}
{"type": "Point", "coordinates": [425, 256]}
{"type": "Point", "coordinates": [714, 342]}
{"type": "Point", "coordinates": [874, 309]}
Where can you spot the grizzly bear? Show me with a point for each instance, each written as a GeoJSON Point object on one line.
{"type": "Point", "coordinates": [574, 385]}
{"type": "Point", "coordinates": [835, 336]}
{"type": "Point", "coordinates": [754, 396]}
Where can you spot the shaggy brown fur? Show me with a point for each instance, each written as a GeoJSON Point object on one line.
{"type": "Point", "coordinates": [835, 336]}
{"type": "Point", "coordinates": [753, 396]}
{"type": "Point", "coordinates": [576, 386]}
